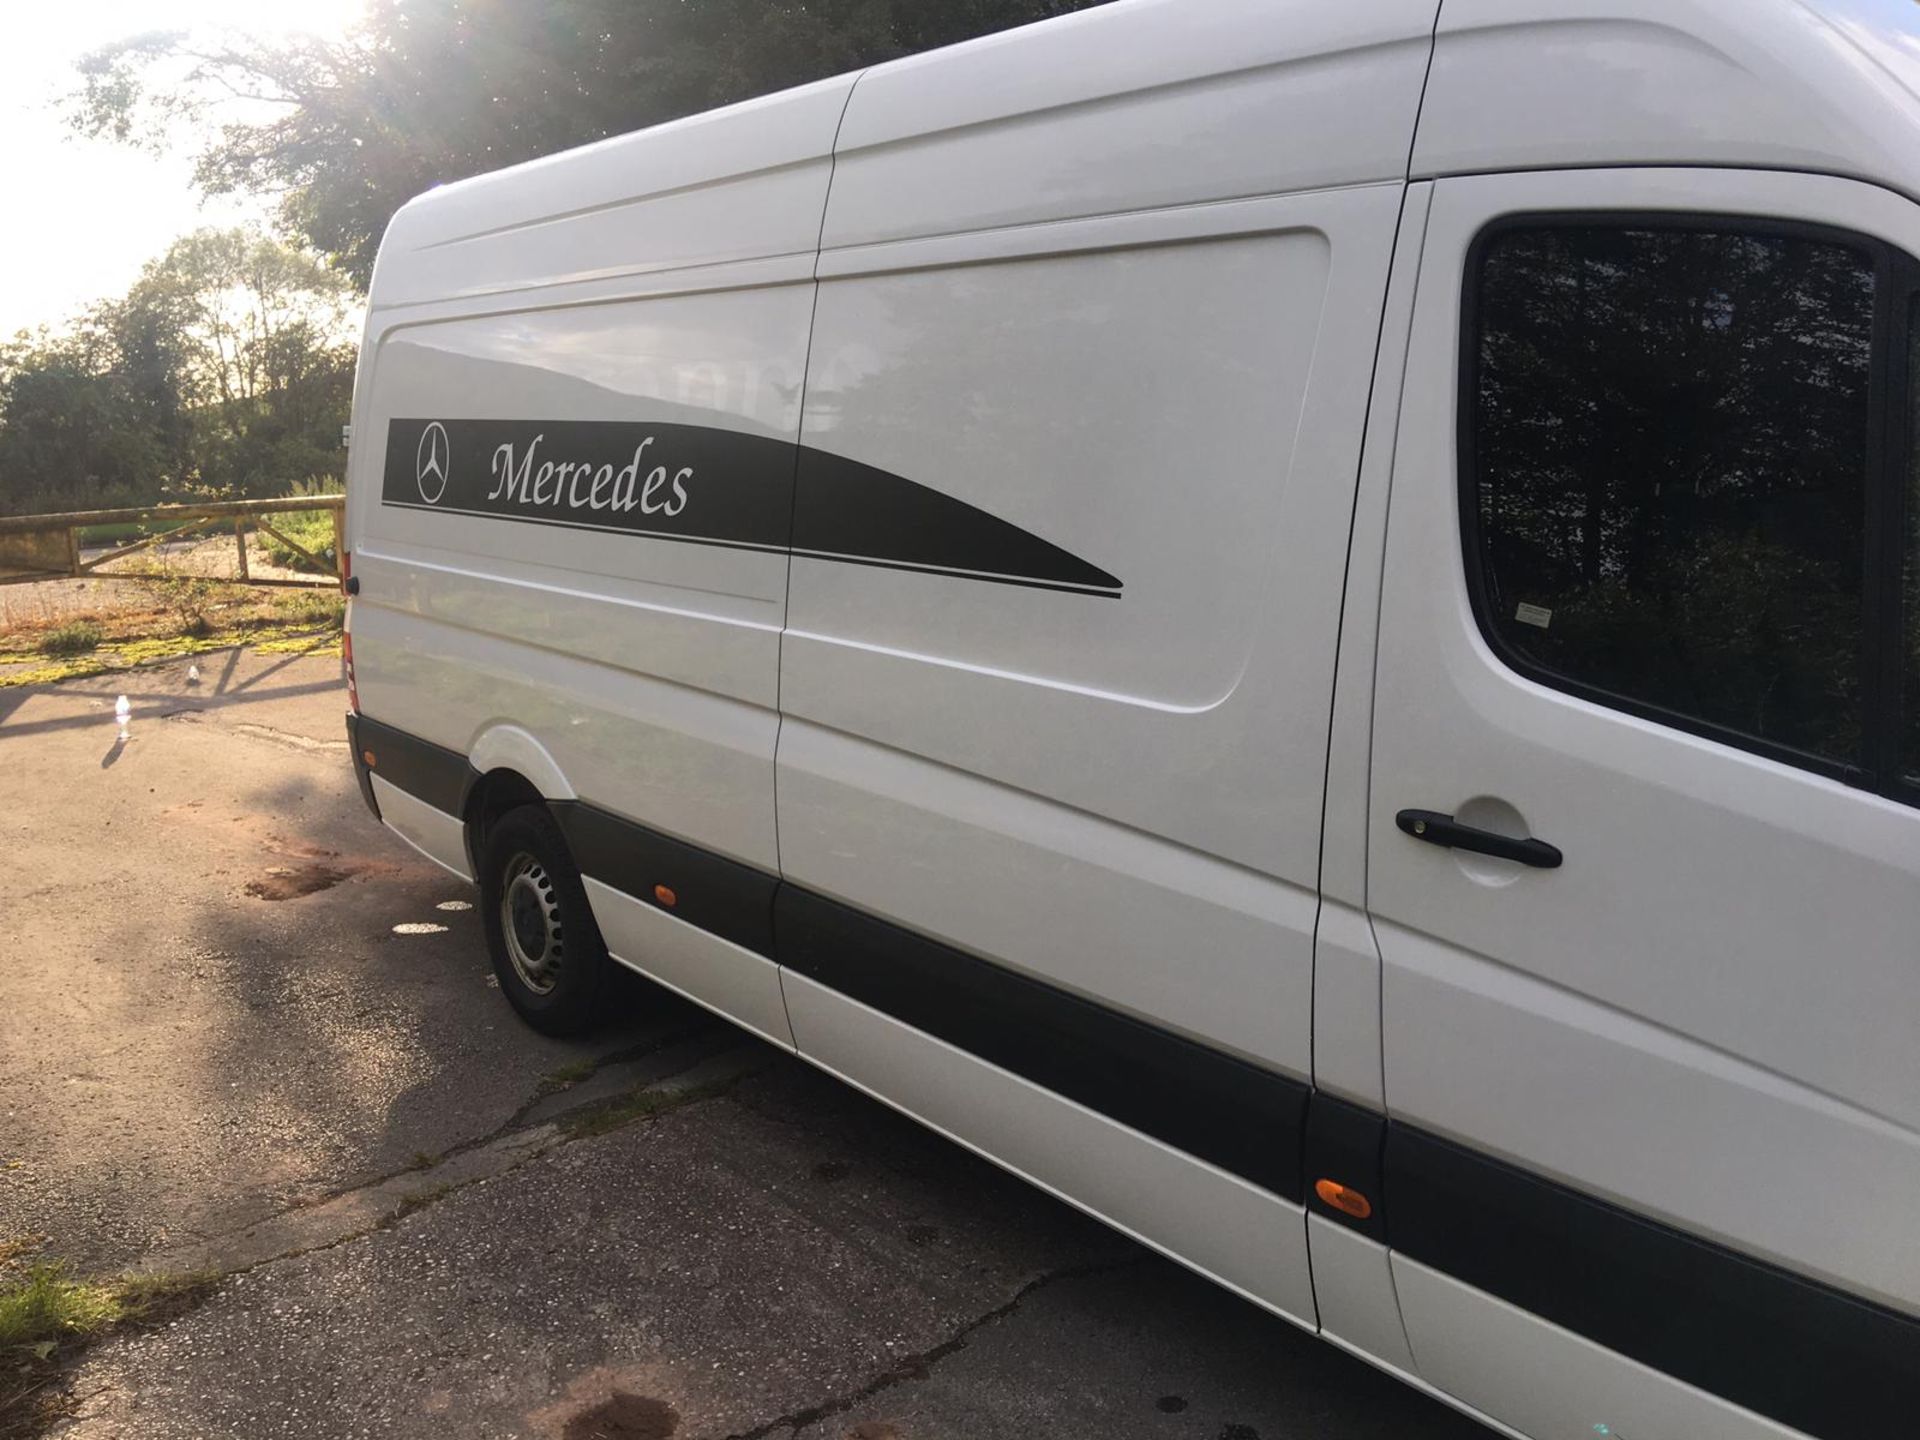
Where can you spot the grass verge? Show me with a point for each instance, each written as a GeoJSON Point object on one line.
{"type": "Point", "coordinates": [48, 1316]}
{"type": "Point", "coordinates": [76, 637]}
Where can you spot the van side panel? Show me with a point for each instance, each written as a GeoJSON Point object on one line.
{"type": "Point", "coordinates": [1131, 107]}
{"type": "Point", "coordinates": [643, 304]}
{"type": "Point", "coordinates": [1088, 747]}
{"type": "Point", "coordinates": [645, 667]}
{"type": "Point", "coordinates": [1118, 793]}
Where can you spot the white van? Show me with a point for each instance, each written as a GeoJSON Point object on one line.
{"type": "Point", "coordinates": [1300, 621]}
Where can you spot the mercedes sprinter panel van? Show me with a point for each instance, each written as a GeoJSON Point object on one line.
{"type": "Point", "coordinates": [1300, 621]}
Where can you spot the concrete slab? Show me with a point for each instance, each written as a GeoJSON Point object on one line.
{"type": "Point", "coordinates": [180, 1056]}
{"type": "Point", "coordinates": [789, 1259]}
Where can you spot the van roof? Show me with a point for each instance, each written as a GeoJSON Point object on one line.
{"type": "Point", "coordinates": [1823, 85]}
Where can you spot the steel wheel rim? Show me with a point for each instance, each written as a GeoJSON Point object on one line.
{"type": "Point", "coordinates": [530, 924]}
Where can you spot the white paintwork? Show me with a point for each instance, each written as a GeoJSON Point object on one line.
{"type": "Point", "coordinates": [740, 184]}
{"type": "Point", "coordinates": [1831, 86]}
{"type": "Point", "coordinates": [729, 980]}
{"type": "Point", "coordinates": [441, 837]}
{"type": "Point", "coordinates": [661, 276]}
{"type": "Point", "coordinates": [1353, 1289]}
{"type": "Point", "coordinates": [878, 816]}
{"type": "Point", "coordinates": [682, 760]}
{"type": "Point", "coordinates": [1346, 990]}
{"type": "Point", "coordinates": [508, 747]}
{"type": "Point", "coordinates": [1252, 1242]}
{"type": "Point", "coordinates": [1165, 867]}
{"type": "Point", "coordinates": [1427, 1388]}
{"type": "Point", "coordinates": [1131, 107]}
{"type": "Point", "coordinates": [1346, 1008]}
{"type": "Point", "coordinates": [1549, 1383]}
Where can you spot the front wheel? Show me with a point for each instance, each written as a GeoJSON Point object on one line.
{"type": "Point", "coordinates": [547, 951]}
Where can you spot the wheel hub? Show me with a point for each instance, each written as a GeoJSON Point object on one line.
{"type": "Point", "coordinates": [530, 924]}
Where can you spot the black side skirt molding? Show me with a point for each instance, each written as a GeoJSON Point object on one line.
{"type": "Point", "coordinates": [1797, 1351]}
{"type": "Point", "coordinates": [1219, 1108]}
{"type": "Point", "coordinates": [430, 773]}
{"type": "Point", "coordinates": [1806, 1354]}
{"type": "Point", "coordinates": [360, 771]}
{"type": "Point", "coordinates": [722, 897]}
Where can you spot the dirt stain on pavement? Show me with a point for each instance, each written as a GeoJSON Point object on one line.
{"type": "Point", "coordinates": [623, 1416]}
{"type": "Point", "coordinates": [290, 882]}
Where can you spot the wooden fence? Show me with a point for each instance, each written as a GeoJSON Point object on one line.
{"type": "Point", "coordinates": [48, 547]}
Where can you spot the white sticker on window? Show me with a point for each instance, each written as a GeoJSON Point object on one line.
{"type": "Point", "coordinates": [1533, 615]}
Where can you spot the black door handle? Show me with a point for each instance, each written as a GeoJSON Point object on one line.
{"type": "Point", "coordinates": [1437, 829]}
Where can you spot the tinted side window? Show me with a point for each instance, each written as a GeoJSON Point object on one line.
{"type": "Point", "coordinates": [1668, 450]}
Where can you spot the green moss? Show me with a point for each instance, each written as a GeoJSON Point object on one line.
{"type": "Point", "coordinates": [640, 1105]}
{"type": "Point", "coordinates": [267, 640]}
{"type": "Point", "coordinates": [572, 1074]}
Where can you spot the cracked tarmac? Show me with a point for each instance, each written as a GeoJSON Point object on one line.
{"type": "Point", "coordinates": [347, 1122]}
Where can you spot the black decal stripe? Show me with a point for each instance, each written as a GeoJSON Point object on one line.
{"type": "Point", "coordinates": [960, 574]}
{"type": "Point", "coordinates": [642, 532]}
{"type": "Point", "coordinates": [430, 773]}
{"type": "Point", "coordinates": [737, 487]}
{"type": "Point", "coordinates": [703, 485]}
{"type": "Point", "coordinates": [722, 897]}
{"type": "Point", "coordinates": [1800, 1352]}
{"type": "Point", "coordinates": [1239, 1117]}
{"type": "Point", "coordinates": [847, 509]}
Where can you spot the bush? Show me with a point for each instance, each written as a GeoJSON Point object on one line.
{"type": "Point", "coordinates": [186, 598]}
{"type": "Point", "coordinates": [311, 607]}
{"type": "Point", "coordinates": [76, 637]}
{"type": "Point", "coordinates": [311, 529]}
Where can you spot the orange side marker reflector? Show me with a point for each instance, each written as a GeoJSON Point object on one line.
{"type": "Point", "coordinates": [1344, 1199]}
{"type": "Point", "coordinates": [367, 755]}
{"type": "Point", "coordinates": [665, 896]}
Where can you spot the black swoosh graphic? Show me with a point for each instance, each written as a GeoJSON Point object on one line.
{"type": "Point", "coordinates": [707, 486]}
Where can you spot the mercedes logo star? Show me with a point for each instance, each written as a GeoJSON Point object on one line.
{"type": "Point", "coordinates": [431, 462]}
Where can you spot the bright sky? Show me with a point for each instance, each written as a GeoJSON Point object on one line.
{"type": "Point", "coordinates": [81, 216]}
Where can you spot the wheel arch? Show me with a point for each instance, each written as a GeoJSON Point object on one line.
{"type": "Point", "coordinates": [510, 769]}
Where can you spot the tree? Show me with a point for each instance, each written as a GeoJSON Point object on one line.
{"type": "Point", "coordinates": [253, 339]}
{"type": "Point", "coordinates": [71, 432]}
{"type": "Point", "coordinates": [227, 368]}
{"type": "Point", "coordinates": [429, 91]}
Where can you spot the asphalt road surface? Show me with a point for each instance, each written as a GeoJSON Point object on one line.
{"type": "Point", "coordinates": [242, 1028]}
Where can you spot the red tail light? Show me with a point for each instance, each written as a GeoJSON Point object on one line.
{"type": "Point", "coordinates": [353, 691]}
{"type": "Point", "coordinates": [346, 630]}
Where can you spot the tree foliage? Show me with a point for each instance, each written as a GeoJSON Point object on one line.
{"type": "Point", "coordinates": [428, 91]}
{"type": "Point", "coordinates": [226, 368]}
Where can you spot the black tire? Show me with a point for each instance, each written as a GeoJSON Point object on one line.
{"type": "Point", "coordinates": [547, 951]}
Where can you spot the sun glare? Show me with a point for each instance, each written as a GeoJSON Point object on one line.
{"type": "Point", "coordinates": [102, 210]}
